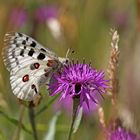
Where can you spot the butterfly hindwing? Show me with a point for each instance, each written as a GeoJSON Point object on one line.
{"type": "Point", "coordinates": [27, 62]}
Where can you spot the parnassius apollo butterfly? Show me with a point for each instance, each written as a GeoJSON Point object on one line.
{"type": "Point", "coordinates": [29, 63]}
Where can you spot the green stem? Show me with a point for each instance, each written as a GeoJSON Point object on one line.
{"type": "Point", "coordinates": [18, 129]}
{"type": "Point", "coordinates": [46, 106]}
{"type": "Point", "coordinates": [75, 107]}
{"type": "Point", "coordinates": [32, 121]}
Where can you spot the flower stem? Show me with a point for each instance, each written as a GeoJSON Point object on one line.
{"type": "Point", "coordinates": [75, 107]}
{"type": "Point", "coordinates": [18, 129]}
{"type": "Point", "coordinates": [32, 120]}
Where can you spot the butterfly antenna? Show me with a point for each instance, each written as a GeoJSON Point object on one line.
{"type": "Point", "coordinates": [68, 52]}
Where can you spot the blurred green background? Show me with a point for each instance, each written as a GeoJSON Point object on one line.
{"type": "Point", "coordinates": [83, 25]}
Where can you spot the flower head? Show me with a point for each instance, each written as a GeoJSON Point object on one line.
{"type": "Point", "coordinates": [121, 134]}
{"type": "Point", "coordinates": [118, 18]}
{"type": "Point", "coordinates": [81, 81]}
{"type": "Point", "coordinates": [18, 17]}
{"type": "Point", "coordinates": [44, 13]}
{"type": "Point", "coordinates": [65, 105]}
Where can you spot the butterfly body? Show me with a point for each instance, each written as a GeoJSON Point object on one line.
{"type": "Point", "coordinates": [29, 63]}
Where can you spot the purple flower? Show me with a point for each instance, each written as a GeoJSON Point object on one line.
{"type": "Point", "coordinates": [79, 80]}
{"type": "Point", "coordinates": [121, 134]}
{"type": "Point", "coordinates": [65, 105]}
{"type": "Point", "coordinates": [18, 17]}
{"type": "Point", "coordinates": [119, 19]}
{"type": "Point", "coordinates": [44, 13]}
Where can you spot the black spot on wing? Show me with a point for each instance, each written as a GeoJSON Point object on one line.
{"type": "Point", "coordinates": [13, 53]}
{"type": "Point", "coordinates": [24, 42]}
{"type": "Point", "coordinates": [33, 44]}
{"type": "Point", "coordinates": [27, 38]}
{"type": "Point", "coordinates": [41, 56]}
{"type": "Point", "coordinates": [22, 52]}
{"type": "Point", "coordinates": [13, 56]}
{"type": "Point", "coordinates": [15, 42]}
{"type": "Point", "coordinates": [34, 87]}
{"type": "Point", "coordinates": [17, 62]}
{"type": "Point", "coordinates": [31, 52]}
{"type": "Point", "coordinates": [21, 35]}
{"type": "Point", "coordinates": [18, 45]}
{"type": "Point", "coordinates": [43, 50]}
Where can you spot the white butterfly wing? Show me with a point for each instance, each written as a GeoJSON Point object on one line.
{"type": "Point", "coordinates": [27, 62]}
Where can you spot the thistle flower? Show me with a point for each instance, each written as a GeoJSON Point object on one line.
{"type": "Point", "coordinates": [65, 105]}
{"type": "Point", "coordinates": [121, 134]}
{"type": "Point", "coordinates": [120, 19]}
{"type": "Point", "coordinates": [18, 17]}
{"type": "Point", "coordinates": [49, 15]}
{"type": "Point", "coordinates": [44, 13]}
{"type": "Point", "coordinates": [80, 81]}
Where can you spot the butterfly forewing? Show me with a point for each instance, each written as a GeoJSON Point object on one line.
{"type": "Point", "coordinates": [21, 46]}
{"type": "Point", "coordinates": [27, 62]}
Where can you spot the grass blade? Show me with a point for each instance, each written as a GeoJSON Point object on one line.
{"type": "Point", "coordinates": [14, 121]}
{"type": "Point", "coordinates": [52, 128]}
{"type": "Point", "coordinates": [46, 106]}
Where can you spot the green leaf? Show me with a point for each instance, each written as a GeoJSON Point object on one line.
{"type": "Point", "coordinates": [78, 120]}
{"type": "Point", "coordinates": [52, 128]}
{"type": "Point", "coordinates": [14, 121]}
{"type": "Point", "coordinates": [46, 106]}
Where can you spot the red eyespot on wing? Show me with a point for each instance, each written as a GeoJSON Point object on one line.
{"type": "Point", "coordinates": [25, 78]}
{"type": "Point", "coordinates": [36, 65]}
{"type": "Point", "coordinates": [52, 63]}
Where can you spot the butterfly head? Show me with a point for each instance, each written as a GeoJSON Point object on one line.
{"type": "Point", "coordinates": [64, 61]}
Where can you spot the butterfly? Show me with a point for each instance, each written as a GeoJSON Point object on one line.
{"type": "Point", "coordinates": [29, 63]}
